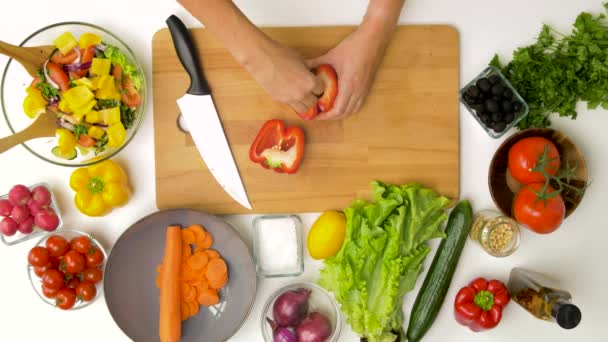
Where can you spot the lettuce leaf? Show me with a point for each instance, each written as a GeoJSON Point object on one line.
{"type": "Point", "coordinates": [117, 57]}
{"type": "Point", "coordinates": [382, 256]}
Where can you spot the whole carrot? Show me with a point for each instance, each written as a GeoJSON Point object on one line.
{"type": "Point", "coordinates": [170, 311]}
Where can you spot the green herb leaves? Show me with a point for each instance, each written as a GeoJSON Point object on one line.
{"type": "Point", "coordinates": [559, 70]}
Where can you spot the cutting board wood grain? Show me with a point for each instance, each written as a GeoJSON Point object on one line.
{"type": "Point", "coordinates": [407, 130]}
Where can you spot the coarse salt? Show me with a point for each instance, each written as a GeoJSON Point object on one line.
{"type": "Point", "coordinates": [277, 246]}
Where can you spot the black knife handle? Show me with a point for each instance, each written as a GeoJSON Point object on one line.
{"type": "Point", "coordinates": [186, 51]}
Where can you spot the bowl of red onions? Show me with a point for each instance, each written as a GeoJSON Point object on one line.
{"type": "Point", "coordinates": [301, 312]}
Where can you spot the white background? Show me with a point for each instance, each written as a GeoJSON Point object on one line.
{"type": "Point", "coordinates": [575, 253]}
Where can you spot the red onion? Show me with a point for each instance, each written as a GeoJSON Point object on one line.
{"type": "Point", "coordinates": [281, 334]}
{"type": "Point", "coordinates": [77, 67]}
{"type": "Point", "coordinates": [100, 47]}
{"type": "Point", "coordinates": [315, 328]}
{"type": "Point", "coordinates": [291, 307]}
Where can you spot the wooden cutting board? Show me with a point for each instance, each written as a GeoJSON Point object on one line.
{"type": "Point", "coordinates": [406, 132]}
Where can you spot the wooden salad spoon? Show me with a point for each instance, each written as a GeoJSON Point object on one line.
{"type": "Point", "coordinates": [44, 126]}
{"type": "Point", "coordinates": [31, 58]}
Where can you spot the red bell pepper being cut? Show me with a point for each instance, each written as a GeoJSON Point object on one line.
{"type": "Point", "coordinates": [328, 76]}
{"type": "Point", "coordinates": [278, 147]}
{"type": "Point", "coordinates": [479, 305]}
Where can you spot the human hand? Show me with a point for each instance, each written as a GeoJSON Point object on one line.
{"type": "Point", "coordinates": [284, 75]}
{"type": "Point", "coordinates": [355, 60]}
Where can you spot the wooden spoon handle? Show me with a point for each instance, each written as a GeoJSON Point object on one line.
{"type": "Point", "coordinates": [11, 51]}
{"type": "Point", "coordinates": [11, 141]}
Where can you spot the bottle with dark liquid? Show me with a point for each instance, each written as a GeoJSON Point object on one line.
{"type": "Point", "coordinates": [537, 294]}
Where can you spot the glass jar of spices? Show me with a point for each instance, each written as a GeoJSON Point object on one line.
{"type": "Point", "coordinates": [497, 234]}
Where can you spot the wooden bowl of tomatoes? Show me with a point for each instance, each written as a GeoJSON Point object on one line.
{"type": "Point", "coordinates": [66, 269]}
{"type": "Point", "coordinates": [538, 176]}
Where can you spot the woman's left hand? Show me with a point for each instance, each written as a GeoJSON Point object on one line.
{"type": "Point", "coordinates": [356, 60]}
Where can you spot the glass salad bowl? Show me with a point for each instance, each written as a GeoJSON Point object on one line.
{"type": "Point", "coordinates": [15, 81]}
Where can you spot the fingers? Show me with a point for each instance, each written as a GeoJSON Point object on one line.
{"type": "Point", "coordinates": [309, 101]}
{"type": "Point", "coordinates": [298, 106]}
{"type": "Point", "coordinates": [319, 87]}
{"type": "Point", "coordinates": [339, 106]}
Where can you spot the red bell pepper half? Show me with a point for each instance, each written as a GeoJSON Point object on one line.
{"type": "Point", "coordinates": [328, 76]}
{"type": "Point", "coordinates": [479, 305]}
{"type": "Point", "coordinates": [278, 147]}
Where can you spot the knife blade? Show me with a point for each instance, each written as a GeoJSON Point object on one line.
{"type": "Point", "coordinates": [200, 115]}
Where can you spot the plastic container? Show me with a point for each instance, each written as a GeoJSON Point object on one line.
{"type": "Point", "coordinates": [518, 115]}
{"type": "Point", "coordinates": [320, 300]}
{"type": "Point", "coordinates": [277, 246]}
{"type": "Point", "coordinates": [37, 282]}
{"type": "Point", "coordinates": [20, 237]}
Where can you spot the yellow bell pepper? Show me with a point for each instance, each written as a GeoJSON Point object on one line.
{"type": "Point", "coordinates": [88, 39]}
{"type": "Point", "coordinates": [93, 117]}
{"type": "Point", "coordinates": [34, 103]}
{"type": "Point", "coordinates": [64, 106]}
{"type": "Point", "coordinates": [99, 188]}
{"type": "Point", "coordinates": [106, 88]}
{"type": "Point", "coordinates": [66, 140]}
{"type": "Point", "coordinates": [78, 97]}
{"type": "Point", "coordinates": [87, 82]}
{"type": "Point", "coordinates": [95, 132]}
{"type": "Point", "coordinates": [100, 66]}
{"type": "Point", "coordinates": [110, 115]}
{"type": "Point", "coordinates": [116, 135]}
{"type": "Point", "coordinates": [82, 111]}
{"type": "Point", "coordinates": [65, 43]}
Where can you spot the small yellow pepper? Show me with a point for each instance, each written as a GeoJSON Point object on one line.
{"type": "Point", "coordinates": [116, 135]}
{"type": "Point", "coordinates": [99, 188]}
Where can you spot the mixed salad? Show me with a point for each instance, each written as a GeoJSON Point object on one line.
{"type": "Point", "coordinates": [93, 89]}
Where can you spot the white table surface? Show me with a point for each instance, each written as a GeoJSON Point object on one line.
{"type": "Point", "coordinates": [575, 253]}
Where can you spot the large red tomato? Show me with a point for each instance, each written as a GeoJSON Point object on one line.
{"type": "Point", "coordinates": [540, 216]}
{"type": "Point", "coordinates": [524, 155]}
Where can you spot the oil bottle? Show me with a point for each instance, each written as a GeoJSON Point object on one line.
{"type": "Point", "coordinates": [537, 294]}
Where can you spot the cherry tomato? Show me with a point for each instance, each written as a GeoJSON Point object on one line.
{"type": "Point", "coordinates": [39, 270]}
{"type": "Point", "coordinates": [38, 256]}
{"type": "Point", "coordinates": [129, 95]}
{"type": "Point", "coordinates": [540, 216]}
{"type": "Point", "coordinates": [58, 76]}
{"type": "Point", "coordinates": [55, 262]}
{"type": "Point", "coordinates": [53, 279]}
{"type": "Point", "coordinates": [86, 56]}
{"type": "Point", "coordinates": [94, 258]}
{"type": "Point", "coordinates": [85, 140]}
{"type": "Point", "coordinates": [35, 81]}
{"type": "Point", "coordinates": [74, 262]}
{"type": "Point", "coordinates": [57, 245]}
{"type": "Point", "coordinates": [523, 157]}
{"type": "Point", "coordinates": [81, 244]}
{"type": "Point", "coordinates": [49, 293]}
{"type": "Point", "coordinates": [86, 291]}
{"type": "Point", "coordinates": [93, 275]}
{"type": "Point", "coordinates": [65, 298]}
{"type": "Point", "coordinates": [73, 283]}
{"type": "Point", "coordinates": [60, 58]}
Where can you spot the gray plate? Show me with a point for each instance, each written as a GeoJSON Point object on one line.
{"type": "Point", "coordinates": [130, 279]}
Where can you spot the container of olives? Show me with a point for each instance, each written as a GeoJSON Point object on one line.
{"type": "Point", "coordinates": [493, 102]}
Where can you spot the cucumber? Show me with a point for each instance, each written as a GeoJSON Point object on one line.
{"type": "Point", "coordinates": [57, 153]}
{"type": "Point", "coordinates": [437, 281]}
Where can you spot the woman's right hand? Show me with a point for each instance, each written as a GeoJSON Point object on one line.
{"type": "Point", "coordinates": [283, 73]}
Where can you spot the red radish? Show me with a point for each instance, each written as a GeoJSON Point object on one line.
{"type": "Point", "coordinates": [20, 213]}
{"type": "Point", "coordinates": [35, 207]}
{"type": "Point", "coordinates": [46, 219]}
{"type": "Point", "coordinates": [19, 195]}
{"type": "Point", "coordinates": [5, 207]}
{"type": "Point", "coordinates": [8, 226]}
{"type": "Point", "coordinates": [41, 195]}
{"type": "Point", "coordinates": [27, 226]}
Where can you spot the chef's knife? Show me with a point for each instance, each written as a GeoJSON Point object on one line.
{"type": "Point", "coordinates": [202, 119]}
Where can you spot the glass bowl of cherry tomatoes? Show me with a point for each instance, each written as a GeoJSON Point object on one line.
{"type": "Point", "coordinates": [66, 269]}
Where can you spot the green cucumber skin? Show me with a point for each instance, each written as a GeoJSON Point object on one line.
{"type": "Point", "coordinates": [437, 281]}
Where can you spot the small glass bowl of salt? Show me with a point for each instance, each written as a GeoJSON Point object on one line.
{"type": "Point", "coordinates": [277, 245]}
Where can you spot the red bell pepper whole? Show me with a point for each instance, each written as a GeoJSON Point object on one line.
{"type": "Point", "coordinates": [278, 147]}
{"type": "Point", "coordinates": [479, 305]}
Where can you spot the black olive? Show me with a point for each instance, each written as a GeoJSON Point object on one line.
{"type": "Point", "coordinates": [492, 105]}
{"type": "Point", "coordinates": [506, 106]}
{"type": "Point", "coordinates": [484, 85]}
{"type": "Point", "coordinates": [508, 94]}
{"type": "Point", "coordinates": [499, 127]}
{"type": "Point", "coordinates": [494, 79]}
{"type": "Point", "coordinates": [497, 116]}
{"type": "Point", "coordinates": [517, 106]}
{"type": "Point", "coordinates": [509, 116]}
{"type": "Point", "coordinates": [498, 89]}
{"type": "Point", "coordinates": [473, 91]}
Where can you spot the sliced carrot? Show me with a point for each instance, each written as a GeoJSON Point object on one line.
{"type": "Point", "coordinates": [184, 311]}
{"type": "Point", "coordinates": [186, 251]}
{"type": "Point", "coordinates": [212, 254]}
{"type": "Point", "coordinates": [193, 307]}
{"type": "Point", "coordinates": [208, 297]}
{"type": "Point", "coordinates": [158, 280]}
{"type": "Point", "coordinates": [170, 310]}
{"type": "Point", "coordinates": [188, 292]}
{"type": "Point", "coordinates": [216, 268]}
{"type": "Point", "coordinates": [187, 273]}
{"type": "Point", "coordinates": [188, 237]}
{"type": "Point", "coordinates": [218, 283]}
{"type": "Point", "coordinates": [159, 268]}
{"type": "Point", "coordinates": [199, 232]}
{"type": "Point", "coordinates": [200, 287]}
{"type": "Point", "coordinates": [207, 242]}
{"type": "Point", "coordinates": [198, 260]}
